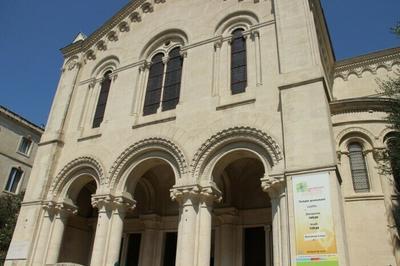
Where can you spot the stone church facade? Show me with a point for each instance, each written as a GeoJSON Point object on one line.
{"type": "Point", "coordinates": [211, 133]}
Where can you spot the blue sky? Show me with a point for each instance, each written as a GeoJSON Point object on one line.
{"type": "Point", "coordinates": [32, 32]}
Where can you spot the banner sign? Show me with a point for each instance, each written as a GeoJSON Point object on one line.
{"type": "Point", "coordinates": [315, 233]}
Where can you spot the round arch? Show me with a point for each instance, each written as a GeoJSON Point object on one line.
{"type": "Point", "coordinates": [354, 134]}
{"type": "Point", "coordinates": [80, 168]}
{"type": "Point", "coordinates": [253, 142]}
{"type": "Point", "coordinates": [244, 19]}
{"type": "Point", "coordinates": [146, 153]}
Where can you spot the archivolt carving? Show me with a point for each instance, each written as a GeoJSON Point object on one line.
{"type": "Point", "coordinates": [367, 135]}
{"type": "Point", "coordinates": [71, 167]}
{"type": "Point", "coordinates": [235, 134]}
{"type": "Point", "coordinates": [141, 147]}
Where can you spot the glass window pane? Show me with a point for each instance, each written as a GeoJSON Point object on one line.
{"type": "Point", "coordinates": [358, 168]}
{"type": "Point", "coordinates": [154, 85]}
{"type": "Point", "coordinates": [102, 101]}
{"type": "Point", "coordinates": [172, 82]}
{"type": "Point", "coordinates": [238, 62]}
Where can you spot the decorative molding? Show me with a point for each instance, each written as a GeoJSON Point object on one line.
{"type": "Point", "coordinates": [74, 165]}
{"type": "Point", "coordinates": [182, 193]}
{"type": "Point", "coordinates": [142, 146]}
{"type": "Point", "coordinates": [273, 185]}
{"type": "Point", "coordinates": [230, 135]}
{"type": "Point", "coordinates": [362, 104]}
{"type": "Point", "coordinates": [61, 209]}
{"type": "Point", "coordinates": [370, 62]}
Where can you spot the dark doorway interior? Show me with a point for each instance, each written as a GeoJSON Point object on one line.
{"type": "Point", "coordinates": [254, 246]}
{"type": "Point", "coordinates": [132, 256]}
{"type": "Point", "coordinates": [170, 248]}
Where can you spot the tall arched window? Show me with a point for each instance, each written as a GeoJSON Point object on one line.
{"type": "Point", "coordinates": [172, 83]}
{"type": "Point", "coordinates": [358, 168]}
{"type": "Point", "coordinates": [163, 85]}
{"type": "Point", "coordinates": [238, 62]}
{"type": "Point", "coordinates": [154, 85]}
{"type": "Point", "coordinates": [102, 101]}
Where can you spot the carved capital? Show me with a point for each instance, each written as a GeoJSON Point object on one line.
{"type": "Point", "coordinates": [183, 194]}
{"type": "Point", "coordinates": [274, 186]}
{"type": "Point", "coordinates": [165, 59]}
{"type": "Point", "coordinates": [123, 204]}
{"type": "Point", "coordinates": [107, 203]}
{"type": "Point", "coordinates": [218, 43]}
{"type": "Point", "coordinates": [210, 194]}
{"type": "Point", "coordinates": [145, 65]}
{"type": "Point", "coordinates": [183, 53]}
{"type": "Point", "coordinates": [254, 34]}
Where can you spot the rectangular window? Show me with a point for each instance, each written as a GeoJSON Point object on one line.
{"type": "Point", "coordinates": [24, 145]}
{"type": "Point", "coordinates": [13, 180]}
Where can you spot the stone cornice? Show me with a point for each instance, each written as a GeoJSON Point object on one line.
{"type": "Point", "coordinates": [369, 62]}
{"type": "Point", "coordinates": [83, 45]}
{"type": "Point", "coordinates": [362, 104]}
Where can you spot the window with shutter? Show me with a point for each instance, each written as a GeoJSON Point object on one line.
{"type": "Point", "coordinates": [238, 62]}
{"type": "Point", "coordinates": [102, 101]}
{"type": "Point", "coordinates": [172, 84]}
{"type": "Point", "coordinates": [154, 85]}
{"type": "Point", "coordinates": [358, 168]}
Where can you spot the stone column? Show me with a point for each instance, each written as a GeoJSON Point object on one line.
{"type": "Point", "coordinates": [120, 206]}
{"type": "Point", "coordinates": [43, 238]}
{"type": "Point", "coordinates": [104, 205]}
{"type": "Point", "coordinates": [150, 239]}
{"type": "Point", "coordinates": [208, 195]}
{"type": "Point", "coordinates": [227, 237]}
{"type": "Point", "coordinates": [62, 212]}
{"type": "Point", "coordinates": [187, 197]}
{"type": "Point", "coordinates": [275, 187]}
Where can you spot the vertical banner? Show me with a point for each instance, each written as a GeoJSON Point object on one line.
{"type": "Point", "coordinates": [315, 233]}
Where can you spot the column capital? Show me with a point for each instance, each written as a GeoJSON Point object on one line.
{"type": "Point", "coordinates": [183, 193]}
{"type": "Point", "coordinates": [273, 185]}
{"type": "Point", "coordinates": [108, 202]}
{"type": "Point", "coordinates": [61, 209]}
{"type": "Point", "coordinates": [210, 194]}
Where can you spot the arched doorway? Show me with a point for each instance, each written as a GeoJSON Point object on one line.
{"type": "Point", "coordinates": [242, 229]}
{"type": "Point", "coordinates": [150, 230]}
{"type": "Point", "coordinates": [80, 228]}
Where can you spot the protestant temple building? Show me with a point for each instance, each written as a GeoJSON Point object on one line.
{"type": "Point", "coordinates": [223, 132]}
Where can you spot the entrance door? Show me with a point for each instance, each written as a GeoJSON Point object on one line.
{"type": "Point", "coordinates": [132, 255]}
{"type": "Point", "coordinates": [170, 248]}
{"type": "Point", "coordinates": [254, 246]}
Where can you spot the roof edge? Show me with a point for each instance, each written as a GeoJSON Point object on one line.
{"type": "Point", "coordinates": [21, 119]}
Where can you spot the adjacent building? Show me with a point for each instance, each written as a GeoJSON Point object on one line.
{"type": "Point", "coordinates": [223, 132]}
{"type": "Point", "coordinates": [19, 139]}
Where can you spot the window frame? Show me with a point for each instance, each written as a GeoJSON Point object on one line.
{"type": "Point", "coordinates": [107, 74]}
{"type": "Point", "coordinates": [365, 164]}
{"type": "Point", "coordinates": [165, 50]}
{"type": "Point", "coordinates": [232, 53]}
{"type": "Point", "coordinates": [17, 188]}
{"type": "Point", "coordinates": [21, 141]}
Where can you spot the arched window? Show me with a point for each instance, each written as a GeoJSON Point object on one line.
{"type": "Point", "coordinates": [238, 62]}
{"type": "Point", "coordinates": [102, 101]}
{"type": "Point", "coordinates": [172, 83]}
{"type": "Point", "coordinates": [358, 168]}
{"type": "Point", "coordinates": [163, 85]}
{"type": "Point", "coordinates": [154, 85]}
